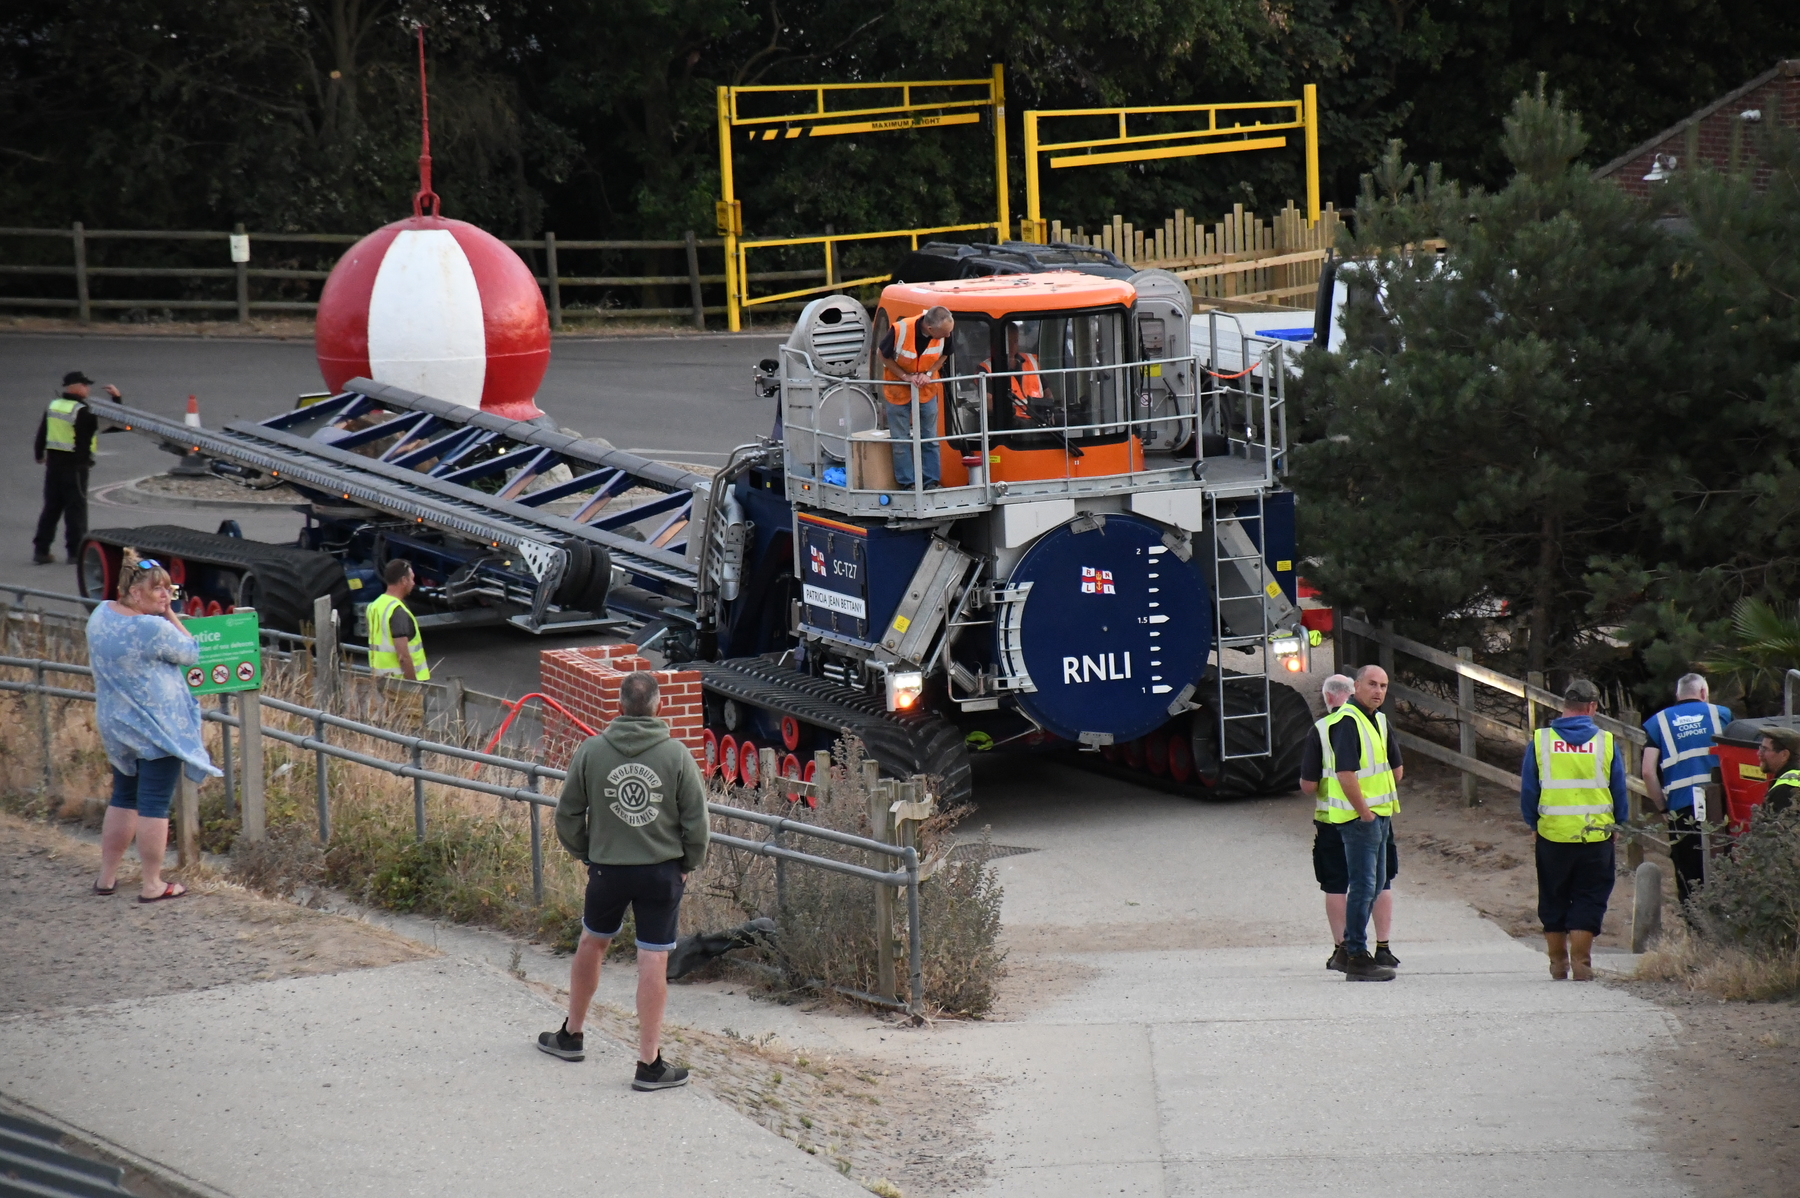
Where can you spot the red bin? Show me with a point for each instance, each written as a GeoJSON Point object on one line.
{"type": "Point", "coordinates": [1739, 771]}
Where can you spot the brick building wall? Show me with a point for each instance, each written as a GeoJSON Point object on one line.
{"type": "Point", "coordinates": [586, 681]}
{"type": "Point", "coordinates": [1716, 134]}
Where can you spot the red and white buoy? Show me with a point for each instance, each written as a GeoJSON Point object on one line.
{"type": "Point", "coordinates": [436, 306]}
{"type": "Point", "coordinates": [192, 419]}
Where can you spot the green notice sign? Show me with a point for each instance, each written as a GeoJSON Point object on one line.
{"type": "Point", "coordinates": [230, 653]}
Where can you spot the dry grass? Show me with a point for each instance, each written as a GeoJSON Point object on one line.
{"type": "Point", "coordinates": [827, 920]}
{"type": "Point", "coordinates": [1707, 967]}
{"type": "Point", "coordinates": [473, 863]}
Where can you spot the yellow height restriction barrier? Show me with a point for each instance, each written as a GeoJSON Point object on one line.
{"type": "Point", "coordinates": [954, 102]}
{"type": "Point", "coordinates": [1229, 129]}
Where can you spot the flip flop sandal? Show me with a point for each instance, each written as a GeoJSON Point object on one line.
{"type": "Point", "coordinates": [106, 890]}
{"type": "Point", "coordinates": [169, 892]}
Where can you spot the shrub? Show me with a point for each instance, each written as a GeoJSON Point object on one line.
{"type": "Point", "coordinates": [1752, 900]}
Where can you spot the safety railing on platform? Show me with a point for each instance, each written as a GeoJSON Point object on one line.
{"type": "Point", "coordinates": [1242, 412]}
{"type": "Point", "coordinates": [252, 731]}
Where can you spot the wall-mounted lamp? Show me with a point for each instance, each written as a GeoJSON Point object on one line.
{"type": "Point", "coordinates": [1750, 116]}
{"type": "Point", "coordinates": [1662, 169]}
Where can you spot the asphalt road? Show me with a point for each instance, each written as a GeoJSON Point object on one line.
{"type": "Point", "coordinates": [683, 398]}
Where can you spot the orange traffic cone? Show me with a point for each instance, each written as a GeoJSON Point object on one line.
{"type": "Point", "coordinates": [192, 419]}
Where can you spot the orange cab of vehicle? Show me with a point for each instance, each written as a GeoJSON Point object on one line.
{"type": "Point", "coordinates": [1066, 422]}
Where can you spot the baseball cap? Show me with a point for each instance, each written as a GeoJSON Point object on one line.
{"type": "Point", "coordinates": [1581, 691]}
{"type": "Point", "coordinates": [75, 376]}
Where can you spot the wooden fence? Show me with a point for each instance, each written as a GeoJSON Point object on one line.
{"type": "Point", "coordinates": [543, 254]}
{"type": "Point", "coordinates": [1357, 642]}
{"type": "Point", "coordinates": [1239, 258]}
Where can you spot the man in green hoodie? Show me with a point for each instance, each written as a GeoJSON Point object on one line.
{"type": "Point", "coordinates": [634, 810]}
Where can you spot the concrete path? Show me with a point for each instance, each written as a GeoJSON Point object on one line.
{"type": "Point", "coordinates": [1208, 1051]}
{"type": "Point", "coordinates": [415, 1079]}
{"type": "Point", "coordinates": [1176, 1032]}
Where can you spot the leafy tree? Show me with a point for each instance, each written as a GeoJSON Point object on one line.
{"type": "Point", "coordinates": [1472, 447]}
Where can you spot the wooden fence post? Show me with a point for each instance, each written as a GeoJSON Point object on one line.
{"type": "Point", "coordinates": [1465, 727]}
{"type": "Point", "coordinates": [82, 311]}
{"type": "Point", "coordinates": [1384, 650]}
{"type": "Point", "coordinates": [325, 652]}
{"type": "Point", "coordinates": [1535, 678]}
{"type": "Point", "coordinates": [252, 828]}
{"type": "Point", "coordinates": [1634, 848]}
{"type": "Point", "coordinates": [243, 276]}
{"type": "Point", "coordinates": [187, 840]}
{"type": "Point", "coordinates": [555, 281]}
{"type": "Point", "coordinates": [694, 300]}
{"type": "Point", "coordinates": [881, 822]}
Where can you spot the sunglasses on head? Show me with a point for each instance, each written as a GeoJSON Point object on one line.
{"type": "Point", "coordinates": [148, 563]}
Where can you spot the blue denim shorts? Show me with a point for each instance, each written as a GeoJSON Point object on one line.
{"type": "Point", "coordinates": [152, 791]}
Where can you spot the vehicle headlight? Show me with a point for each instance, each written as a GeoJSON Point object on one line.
{"type": "Point", "coordinates": [903, 689]}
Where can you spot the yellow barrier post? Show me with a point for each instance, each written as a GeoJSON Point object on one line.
{"type": "Point", "coordinates": [1000, 196]}
{"type": "Point", "coordinates": [1311, 98]}
{"type": "Point", "coordinates": [729, 225]}
{"type": "Point", "coordinates": [1033, 216]}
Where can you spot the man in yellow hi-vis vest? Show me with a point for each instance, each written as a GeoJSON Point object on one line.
{"type": "Point", "coordinates": [394, 644]}
{"type": "Point", "coordinates": [1329, 817]}
{"type": "Point", "coordinates": [67, 444]}
{"type": "Point", "coordinates": [1572, 791]}
{"type": "Point", "coordinates": [1366, 772]}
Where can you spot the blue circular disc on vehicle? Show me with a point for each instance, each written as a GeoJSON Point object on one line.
{"type": "Point", "coordinates": [1115, 625]}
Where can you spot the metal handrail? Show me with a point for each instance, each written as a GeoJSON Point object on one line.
{"type": "Point", "coordinates": [83, 600]}
{"type": "Point", "coordinates": [907, 875]}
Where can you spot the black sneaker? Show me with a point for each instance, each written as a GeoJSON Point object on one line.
{"type": "Point", "coordinates": [1383, 956]}
{"type": "Point", "coordinates": [1337, 959]}
{"type": "Point", "coordinates": [562, 1043]}
{"type": "Point", "coordinates": [659, 1075]}
{"type": "Point", "coordinates": [42, 559]}
{"type": "Point", "coordinates": [1362, 967]}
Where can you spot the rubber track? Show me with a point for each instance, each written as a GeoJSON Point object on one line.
{"type": "Point", "coordinates": [1244, 778]}
{"type": "Point", "coordinates": [291, 577]}
{"type": "Point", "coordinates": [903, 745]}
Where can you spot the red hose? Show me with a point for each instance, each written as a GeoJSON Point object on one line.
{"type": "Point", "coordinates": [513, 714]}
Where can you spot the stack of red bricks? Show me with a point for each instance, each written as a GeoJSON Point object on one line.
{"type": "Point", "coordinates": [586, 682]}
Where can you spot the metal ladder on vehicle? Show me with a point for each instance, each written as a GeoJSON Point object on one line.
{"type": "Point", "coordinates": [1240, 579]}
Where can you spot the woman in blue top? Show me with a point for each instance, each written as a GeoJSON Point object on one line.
{"type": "Point", "coordinates": [149, 720]}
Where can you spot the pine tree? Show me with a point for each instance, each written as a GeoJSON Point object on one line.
{"type": "Point", "coordinates": [1720, 498]}
{"type": "Point", "coordinates": [1476, 443]}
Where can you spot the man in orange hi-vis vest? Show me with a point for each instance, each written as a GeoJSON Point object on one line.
{"type": "Point", "coordinates": [911, 354]}
{"type": "Point", "coordinates": [1027, 385]}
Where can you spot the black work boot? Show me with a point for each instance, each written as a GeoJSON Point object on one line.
{"type": "Point", "coordinates": [1338, 958]}
{"type": "Point", "coordinates": [562, 1043]}
{"type": "Point", "coordinates": [1362, 967]}
{"type": "Point", "coordinates": [659, 1075]}
{"type": "Point", "coordinates": [1385, 956]}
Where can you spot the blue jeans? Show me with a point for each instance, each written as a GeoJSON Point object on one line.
{"type": "Point", "coordinates": [151, 791]}
{"type": "Point", "coordinates": [900, 429]}
{"type": "Point", "coordinates": [1365, 851]}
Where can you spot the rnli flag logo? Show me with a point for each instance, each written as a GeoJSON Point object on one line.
{"type": "Point", "coordinates": [818, 559]}
{"type": "Point", "coordinates": [1096, 582]}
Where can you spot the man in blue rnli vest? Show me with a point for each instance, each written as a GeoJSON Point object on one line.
{"type": "Point", "coordinates": [1572, 792]}
{"type": "Point", "coordinates": [66, 446]}
{"type": "Point", "coordinates": [1678, 763]}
